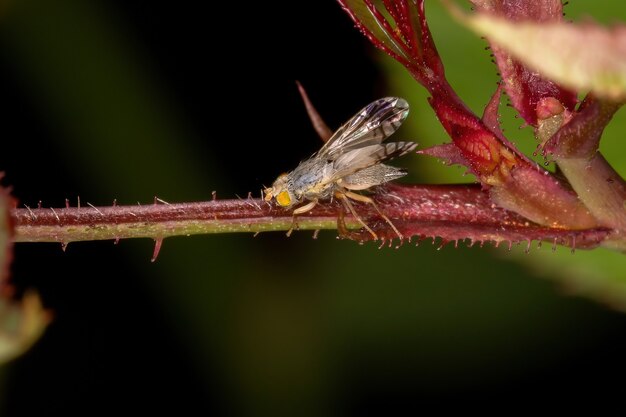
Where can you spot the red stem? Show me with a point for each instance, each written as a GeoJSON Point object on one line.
{"type": "Point", "coordinates": [451, 212]}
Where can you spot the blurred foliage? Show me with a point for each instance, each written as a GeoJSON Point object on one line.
{"type": "Point", "coordinates": [267, 325]}
{"type": "Point", "coordinates": [21, 322]}
{"type": "Point", "coordinates": [21, 325]}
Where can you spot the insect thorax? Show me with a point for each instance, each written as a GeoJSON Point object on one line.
{"type": "Point", "coordinates": [310, 180]}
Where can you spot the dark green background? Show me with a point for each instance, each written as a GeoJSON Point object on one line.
{"type": "Point", "coordinates": [131, 99]}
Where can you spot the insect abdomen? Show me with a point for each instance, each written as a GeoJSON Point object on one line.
{"type": "Point", "coordinates": [372, 176]}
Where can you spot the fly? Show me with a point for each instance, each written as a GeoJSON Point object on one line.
{"type": "Point", "coordinates": [351, 160]}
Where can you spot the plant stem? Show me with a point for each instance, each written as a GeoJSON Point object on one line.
{"type": "Point", "coordinates": [452, 212]}
{"type": "Point", "coordinates": [599, 187]}
{"type": "Point", "coordinates": [158, 221]}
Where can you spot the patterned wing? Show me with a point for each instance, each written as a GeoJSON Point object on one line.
{"type": "Point", "coordinates": [356, 160]}
{"type": "Point", "coordinates": [371, 126]}
{"type": "Point", "coordinates": [372, 176]}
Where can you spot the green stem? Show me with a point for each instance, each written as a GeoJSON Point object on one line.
{"type": "Point", "coordinates": [599, 187]}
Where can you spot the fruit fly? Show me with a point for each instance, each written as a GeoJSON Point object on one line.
{"type": "Point", "coordinates": [351, 160]}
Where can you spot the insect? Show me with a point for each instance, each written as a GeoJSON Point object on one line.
{"type": "Point", "coordinates": [351, 160]}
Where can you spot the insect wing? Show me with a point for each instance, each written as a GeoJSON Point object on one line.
{"type": "Point", "coordinates": [371, 126]}
{"type": "Point", "coordinates": [374, 175]}
{"type": "Point", "coordinates": [361, 158]}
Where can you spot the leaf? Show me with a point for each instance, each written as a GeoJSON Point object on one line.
{"type": "Point", "coordinates": [371, 27]}
{"type": "Point", "coordinates": [525, 87]}
{"type": "Point", "coordinates": [580, 137]}
{"type": "Point", "coordinates": [538, 10]}
{"type": "Point", "coordinates": [581, 56]}
{"type": "Point", "coordinates": [599, 274]}
{"type": "Point", "coordinates": [403, 34]}
{"type": "Point", "coordinates": [21, 324]}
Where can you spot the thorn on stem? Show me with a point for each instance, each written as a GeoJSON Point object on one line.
{"type": "Point", "coordinates": [32, 215]}
{"type": "Point", "coordinates": [319, 125]}
{"type": "Point", "coordinates": [96, 209]}
{"type": "Point", "coordinates": [157, 249]}
{"type": "Point", "coordinates": [56, 215]}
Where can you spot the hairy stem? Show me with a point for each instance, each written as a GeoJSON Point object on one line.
{"type": "Point", "coordinates": [451, 212]}
{"type": "Point", "coordinates": [158, 221]}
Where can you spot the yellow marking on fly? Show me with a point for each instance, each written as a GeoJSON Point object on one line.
{"type": "Point", "coordinates": [283, 198]}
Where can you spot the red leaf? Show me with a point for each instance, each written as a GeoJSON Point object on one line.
{"type": "Point", "coordinates": [580, 137]}
{"type": "Point", "coordinates": [448, 152]}
{"type": "Point", "coordinates": [405, 37]}
{"type": "Point", "coordinates": [524, 86]}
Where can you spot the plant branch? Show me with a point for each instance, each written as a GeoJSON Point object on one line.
{"type": "Point", "coordinates": [599, 187]}
{"type": "Point", "coordinates": [451, 212]}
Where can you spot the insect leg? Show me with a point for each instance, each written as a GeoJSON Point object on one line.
{"type": "Point", "coordinates": [341, 224]}
{"type": "Point", "coordinates": [342, 228]}
{"type": "Point", "coordinates": [365, 199]}
{"type": "Point", "coordinates": [300, 210]}
{"type": "Point", "coordinates": [305, 208]}
{"type": "Point", "coordinates": [343, 196]}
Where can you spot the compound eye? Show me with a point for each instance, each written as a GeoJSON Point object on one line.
{"type": "Point", "coordinates": [283, 198]}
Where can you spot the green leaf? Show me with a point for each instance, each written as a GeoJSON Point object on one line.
{"type": "Point", "coordinates": [581, 56]}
